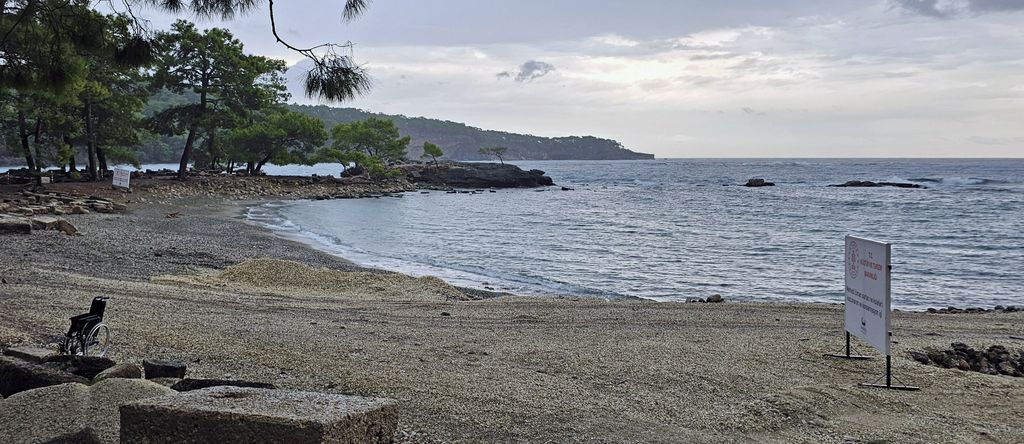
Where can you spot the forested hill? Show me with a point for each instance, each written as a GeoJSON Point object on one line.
{"type": "Point", "coordinates": [462, 142]}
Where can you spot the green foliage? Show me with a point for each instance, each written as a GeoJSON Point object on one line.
{"type": "Point", "coordinates": [373, 144]}
{"type": "Point", "coordinates": [496, 151]}
{"type": "Point", "coordinates": [463, 142]}
{"type": "Point", "coordinates": [432, 151]}
{"type": "Point", "coordinates": [43, 41]}
{"type": "Point", "coordinates": [278, 136]}
{"type": "Point", "coordinates": [377, 138]}
{"type": "Point", "coordinates": [229, 86]}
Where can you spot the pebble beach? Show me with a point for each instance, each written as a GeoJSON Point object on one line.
{"type": "Point", "coordinates": [234, 301]}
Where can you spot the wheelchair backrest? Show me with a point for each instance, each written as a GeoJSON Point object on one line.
{"type": "Point", "coordinates": [99, 305]}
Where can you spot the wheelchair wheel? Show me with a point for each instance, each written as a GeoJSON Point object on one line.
{"type": "Point", "coordinates": [70, 345]}
{"type": "Point", "coordinates": [97, 341]}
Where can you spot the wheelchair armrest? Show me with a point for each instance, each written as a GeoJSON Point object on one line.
{"type": "Point", "coordinates": [80, 322]}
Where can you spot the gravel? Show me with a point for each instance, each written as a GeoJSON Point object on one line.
{"type": "Point", "coordinates": [509, 369]}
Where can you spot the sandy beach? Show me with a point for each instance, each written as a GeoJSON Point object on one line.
{"type": "Point", "coordinates": [234, 301]}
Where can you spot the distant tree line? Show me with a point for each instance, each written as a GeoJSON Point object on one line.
{"type": "Point", "coordinates": [197, 89]}
{"type": "Point", "coordinates": [84, 90]}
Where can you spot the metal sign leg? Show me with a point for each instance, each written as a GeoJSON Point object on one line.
{"type": "Point", "coordinates": [888, 379]}
{"type": "Point", "coordinates": [847, 354]}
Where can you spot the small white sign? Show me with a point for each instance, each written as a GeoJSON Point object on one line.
{"type": "Point", "coordinates": [868, 299]}
{"type": "Point", "coordinates": [122, 178]}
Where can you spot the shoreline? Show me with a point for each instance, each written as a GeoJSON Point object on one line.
{"type": "Point", "coordinates": [235, 196]}
{"type": "Point", "coordinates": [506, 369]}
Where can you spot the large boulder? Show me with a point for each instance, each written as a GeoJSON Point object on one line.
{"type": "Point", "coordinates": [17, 376]}
{"type": "Point", "coordinates": [72, 413]}
{"type": "Point", "coordinates": [234, 414]}
{"type": "Point", "coordinates": [126, 371]}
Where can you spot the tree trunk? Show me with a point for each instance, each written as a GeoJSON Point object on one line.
{"type": "Point", "coordinates": [26, 149]}
{"type": "Point", "coordinates": [72, 167]}
{"type": "Point", "coordinates": [259, 166]}
{"type": "Point", "coordinates": [103, 161]}
{"type": "Point", "coordinates": [36, 134]}
{"type": "Point", "coordinates": [90, 143]}
{"type": "Point", "coordinates": [187, 152]}
{"type": "Point", "coordinates": [250, 168]}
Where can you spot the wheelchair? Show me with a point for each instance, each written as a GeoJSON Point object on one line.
{"type": "Point", "coordinates": [88, 335]}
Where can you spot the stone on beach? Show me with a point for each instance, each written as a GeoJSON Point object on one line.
{"type": "Point", "coordinates": [235, 414]}
{"type": "Point", "coordinates": [15, 225]}
{"type": "Point", "coordinates": [17, 376]}
{"type": "Point", "coordinates": [188, 384]}
{"type": "Point", "coordinates": [35, 355]}
{"type": "Point", "coordinates": [124, 371]}
{"type": "Point", "coordinates": [72, 413]}
{"type": "Point", "coordinates": [85, 366]}
{"type": "Point", "coordinates": [161, 368]}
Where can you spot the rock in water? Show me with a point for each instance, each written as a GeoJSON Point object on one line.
{"type": "Point", "coordinates": [870, 184]}
{"type": "Point", "coordinates": [158, 368]}
{"type": "Point", "coordinates": [72, 413]}
{"type": "Point", "coordinates": [715, 299]}
{"type": "Point", "coordinates": [755, 183]}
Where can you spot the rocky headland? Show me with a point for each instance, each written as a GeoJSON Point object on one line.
{"type": "Point", "coordinates": [473, 175]}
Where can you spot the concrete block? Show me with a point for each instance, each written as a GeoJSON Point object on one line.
{"type": "Point", "coordinates": [72, 413]}
{"type": "Point", "coordinates": [35, 355]}
{"type": "Point", "coordinates": [160, 368]}
{"type": "Point", "coordinates": [237, 414]}
{"type": "Point", "coordinates": [17, 376]}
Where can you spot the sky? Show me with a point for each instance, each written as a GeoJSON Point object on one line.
{"type": "Point", "coordinates": [688, 78]}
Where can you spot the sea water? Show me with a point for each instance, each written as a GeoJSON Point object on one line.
{"type": "Point", "coordinates": [684, 228]}
{"type": "Point", "coordinates": [670, 230]}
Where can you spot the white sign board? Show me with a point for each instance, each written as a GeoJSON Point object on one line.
{"type": "Point", "coordinates": [122, 178]}
{"type": "Point", "coordinates": [867, 291]}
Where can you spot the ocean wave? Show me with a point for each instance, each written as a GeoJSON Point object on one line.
{"type": "Point", "coordinates": [958, 181]}
{"type": "Point", "coordinates": [270, 216]}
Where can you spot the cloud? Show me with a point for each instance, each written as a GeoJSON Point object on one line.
{"type": "Point", "coordinates": [947, 9]}
{"type": "Point", "coordinates": [529, 71]}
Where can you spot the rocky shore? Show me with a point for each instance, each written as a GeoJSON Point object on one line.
{"type": "Point", "coordinates": [473, 175]}
{"type": "Point", "coordinates": [234, 302]}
